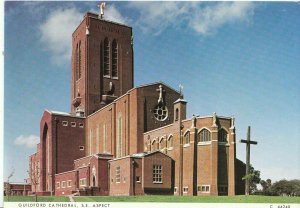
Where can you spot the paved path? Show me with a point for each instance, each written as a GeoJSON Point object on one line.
{"type": "Point", "coordinates": [71, 198]}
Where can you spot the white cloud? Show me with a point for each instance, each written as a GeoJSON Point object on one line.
{"type": "Point", "coordinates": [27, 141]}
{"type": "Point", "coordinates": [157, 16]}
{"type": "Point", "coordinates": [154, 17]}
{"type": "Point", "coordinates": [111, 13]}
{"type": "Point", "coordinates": [56, 33]}
{"type": "Point", "coordinates": [203, 18]}
{"type": "Point", "coordinates": [208, 19]}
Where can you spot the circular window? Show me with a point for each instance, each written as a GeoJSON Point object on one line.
{"type": "Point", "coordinates": [161, 112]}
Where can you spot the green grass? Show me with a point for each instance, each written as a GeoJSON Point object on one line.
{"type": "Point", "coordinates": [39, 199]}
{"type": "Point", "coordinates": [153, 198]}
{"type": "Point", "coordinates": [193, 199]}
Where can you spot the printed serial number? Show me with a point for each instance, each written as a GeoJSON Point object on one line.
{"type": "Point", "coordinates": [280, 206]}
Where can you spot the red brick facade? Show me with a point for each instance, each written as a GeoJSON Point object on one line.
{"type": "Point", "coordinates": [125, 140]}
{"type": "Point", "coordinates": [17, 189]}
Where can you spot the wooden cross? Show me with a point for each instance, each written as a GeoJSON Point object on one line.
{"type": "Point", "coordinates": [248, 142]}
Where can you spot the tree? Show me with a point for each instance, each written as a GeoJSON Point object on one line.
{"type": "Point", "coordinates": [266, 185]}
{"type": "Point", "coordinates": [285, 187]}
{"type": "Point", "coordinates": [34, 176]}
{"type": "Point", "coordinates": [7, 185]}
{"type": "Point", "coordinates": [254, 179]}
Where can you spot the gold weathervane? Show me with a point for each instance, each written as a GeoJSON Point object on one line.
{"type": "Point", "coordinates": [101, 7]}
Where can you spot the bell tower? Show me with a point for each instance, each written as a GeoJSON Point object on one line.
{"type": "Point", "coordinates": [102, 63]}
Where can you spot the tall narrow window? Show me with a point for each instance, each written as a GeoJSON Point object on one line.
{"type": "Point", "coordinates": [104, 137]}
{"type": "Point", "coordinates": [97, 139]}
{"type": "Point", "coordinates": [176, 114]}
{"type": "Point", "coordinates": [106, 58]}
{"type": "Point", "coordinates": [118, 174]}
{"type": "Point", "coordinates": [204, 136]}
{"type": "Point", "coordinates": [79, 60]}
{"type": "Point", "coordinates": [114, 62]}
{"type": "Point", "coordinates": [119, 137]}
{"type": "Point", "coordinates": [222, 136]}
{"type": "Point", "coordinates": [90, 143]}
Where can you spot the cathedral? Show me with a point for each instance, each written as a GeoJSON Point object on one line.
{"type": "Point", "coordinates": [121, 139]}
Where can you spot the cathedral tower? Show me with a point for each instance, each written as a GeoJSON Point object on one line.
{"type": "Point", "coordinates": [102, 63]}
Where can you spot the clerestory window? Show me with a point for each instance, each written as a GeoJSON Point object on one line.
{"type": "Point", "coordinates": [204, 136]}
{"type": "Point", "coordinates": [222, 136]}
{"type": "Point", "coordinates": [186, 138]}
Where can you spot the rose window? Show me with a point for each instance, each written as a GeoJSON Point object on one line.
{"type": "Point", "coordinates": [161, 112]}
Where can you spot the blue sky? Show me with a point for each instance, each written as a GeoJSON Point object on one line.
{"type": "Point", "coordinates": [238, 59]}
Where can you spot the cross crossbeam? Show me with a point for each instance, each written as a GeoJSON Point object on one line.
{"type": "Point", "coordinates": [248, 142]}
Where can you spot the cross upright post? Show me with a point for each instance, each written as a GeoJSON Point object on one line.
{"type": "Point", "coordinates": [248, 142]}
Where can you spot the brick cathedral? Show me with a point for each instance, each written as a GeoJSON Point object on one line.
{"type": "Point", "coordinates": [124, 140]}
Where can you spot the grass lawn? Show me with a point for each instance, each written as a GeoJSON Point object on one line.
{"type": "Point", "coordinates": [39, 199]}
{"type": "Point", "coordinates": [194, 199]}
{"type": "Point", "coordinates": [152, 198]}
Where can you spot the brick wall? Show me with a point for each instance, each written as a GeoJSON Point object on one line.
{"type": "Point", "coordinates": [120, 177]}
{"type": "Point", "coordinates": [65, 183]}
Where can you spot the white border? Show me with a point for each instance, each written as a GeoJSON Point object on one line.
{"type": "Point", "coordinates": [1, 101]}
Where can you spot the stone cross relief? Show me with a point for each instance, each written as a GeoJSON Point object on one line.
{"type": "Point", "coordinates": [160, 90]}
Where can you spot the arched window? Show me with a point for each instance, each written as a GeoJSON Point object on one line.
{"type": "Point", "coordinates": [148, 144]}
{"type": "Point", "coordinates": [114, 62]}
{"type": "Point", "coordinates": [170, 142]}
{"type": "Point", "coordinates": [204, 136]}
{"type": "Point", "coordinates": [162, 143]}
{"type": "Point", "coordinates": [153, 145]}
{"type": "Point", "coordinates": [186, 138]}
{"type": "Point", "coordinates": [106, 57]}
{"type": "Point", "coordinates": [176, 114]}
{"type": "Point", "coordinates": [78, 61]}
{"type": "Point", "coordinates": [222, 136]}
